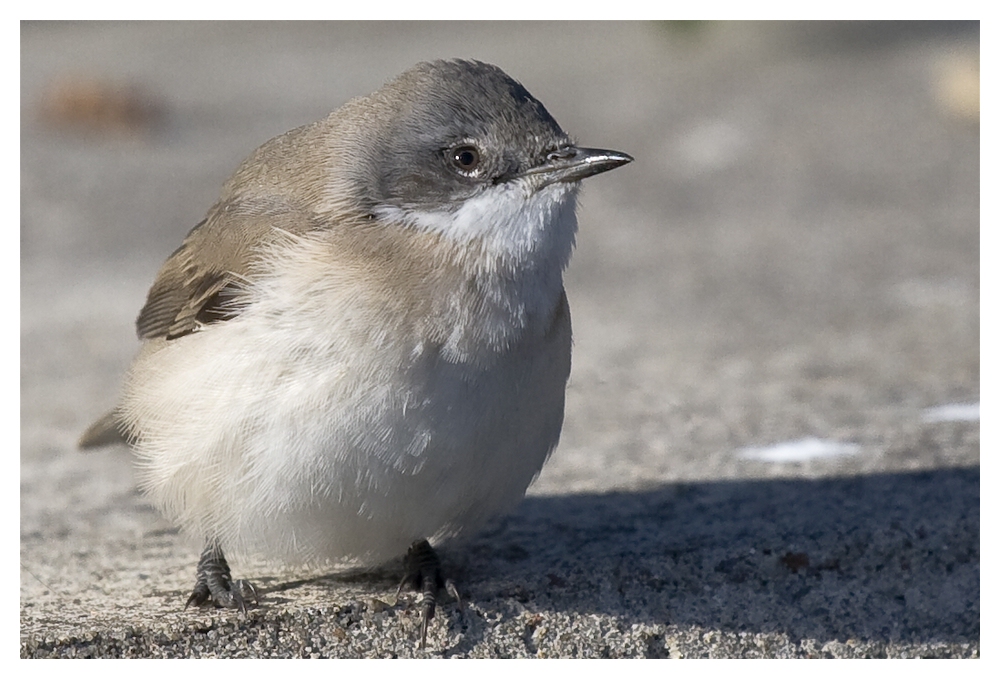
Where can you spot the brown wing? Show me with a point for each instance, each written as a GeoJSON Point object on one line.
{"type": "Point", "coordinates": [202, 281]}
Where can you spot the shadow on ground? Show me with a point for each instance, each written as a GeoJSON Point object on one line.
{"type": "Point", "coordinates": [885, 557]}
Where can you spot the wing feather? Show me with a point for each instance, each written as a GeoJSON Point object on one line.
{"type": "Point", "coordinates": [203, 281]}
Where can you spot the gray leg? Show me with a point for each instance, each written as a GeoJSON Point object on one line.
{"type": "Point", "coordinates": [215, 584]}
{"type": "Point", "coordinates": [423, 574]}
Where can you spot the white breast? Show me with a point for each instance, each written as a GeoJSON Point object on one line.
{"type": "Point", "coordinates": [312, 428]}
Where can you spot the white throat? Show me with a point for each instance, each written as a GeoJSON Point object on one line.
{"type": "Point", "coordinates": [520, 243]}
{"type": "Point", "coordinates": [514, 230]}
{"type": "Point", "coordinates": [514, 224]}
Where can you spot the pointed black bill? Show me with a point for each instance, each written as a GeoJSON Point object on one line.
{"type": "Point", "coordinates": [573, 163]}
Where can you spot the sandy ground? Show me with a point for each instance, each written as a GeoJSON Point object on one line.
{"type": "Point", "coordinates": [794, 256]}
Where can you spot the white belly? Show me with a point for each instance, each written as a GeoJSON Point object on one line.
{"type": "Point", "coordinates": [330, 450]}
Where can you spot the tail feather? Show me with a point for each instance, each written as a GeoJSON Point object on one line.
{"type": "Point", "coordinates": [104, 432]}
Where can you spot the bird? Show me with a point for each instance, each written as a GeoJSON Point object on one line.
{"type": "Point", "coordinates": [362, 350]}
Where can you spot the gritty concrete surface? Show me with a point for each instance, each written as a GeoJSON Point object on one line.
{"type": "Point", "coordinates": [794, 254]}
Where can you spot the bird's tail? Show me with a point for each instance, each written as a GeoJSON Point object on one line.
{"type": "Point", "coordinates": [104, 432]}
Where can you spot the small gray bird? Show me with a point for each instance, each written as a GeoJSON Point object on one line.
{"type": "Point", "coordinates": [363, 348]}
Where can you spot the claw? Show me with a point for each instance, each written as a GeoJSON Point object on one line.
{"type": "Point", "coordinates": [215, 583]}
{"type": "Point", "coordinates": [247, 589]}
{"type": "Point", "coordinates": [423, 573]}
{"type": "Point", "coordinates": [449, 586]}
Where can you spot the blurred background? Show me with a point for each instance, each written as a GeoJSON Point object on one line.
{"type": "Point", "coordinates": [783, 285]}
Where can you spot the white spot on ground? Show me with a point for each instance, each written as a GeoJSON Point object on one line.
{"type": "Point", "coordinates": [952, 412]}
{"type": "Point", "coordinates": [802, 450]}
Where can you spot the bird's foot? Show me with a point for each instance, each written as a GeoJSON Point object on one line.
{"type": "Point", "coordinates": [215, 584]}
{"type": "Point", "coordinates": [423, 574]}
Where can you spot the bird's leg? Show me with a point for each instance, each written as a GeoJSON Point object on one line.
{"type": "Point", "coordinates": [214, 582]}
{"type": "Point", "coordinates": [423, 574]}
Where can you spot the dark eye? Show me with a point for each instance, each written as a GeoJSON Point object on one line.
{"type": "Point", "coordinates": [465, 158]}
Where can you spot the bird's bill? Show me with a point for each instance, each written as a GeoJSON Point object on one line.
{"type": "Point", "coordinates": [574, 163]}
